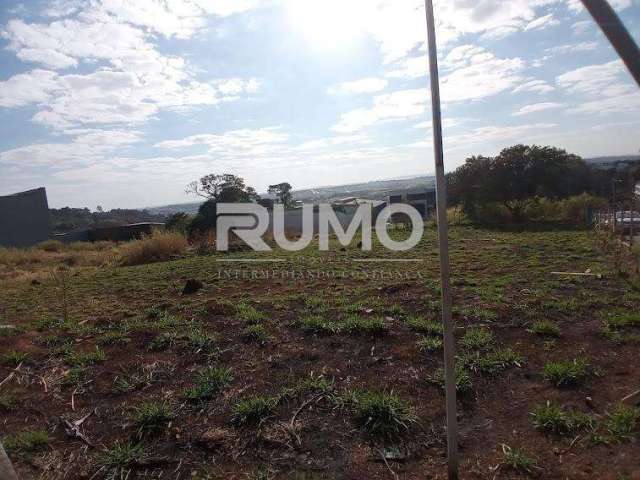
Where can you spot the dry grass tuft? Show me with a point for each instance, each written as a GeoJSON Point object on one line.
{"type": "Point", "coordinates": [160, 246]}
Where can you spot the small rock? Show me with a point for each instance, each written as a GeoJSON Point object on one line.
{"type": "Point", "coordinates": [35, 281]}
{"type": "Point", "coordinates": [192, 286]}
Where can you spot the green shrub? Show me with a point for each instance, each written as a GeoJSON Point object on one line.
{"type": "Point", "coordinates": [429, 344]}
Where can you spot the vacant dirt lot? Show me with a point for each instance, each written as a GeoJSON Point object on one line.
{"type": "Point", "coordinates": [322, 365]}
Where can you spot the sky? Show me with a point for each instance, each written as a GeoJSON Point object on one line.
{"type": "Point", "coordinates": [122, 103]}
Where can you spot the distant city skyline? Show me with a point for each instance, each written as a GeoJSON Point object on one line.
{"type": "Point", "coordinates": [121, 103]}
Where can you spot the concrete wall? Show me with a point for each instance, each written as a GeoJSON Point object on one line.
{"type": "Point", "coordinates": [24, 218]}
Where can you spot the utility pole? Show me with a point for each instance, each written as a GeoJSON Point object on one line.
{"type": "Point", "coordinates": [443, 244]}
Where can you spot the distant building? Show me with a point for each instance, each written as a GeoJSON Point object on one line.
{"type": "Point", "coordinates": [24, 218]}
{"type": "Point", "coordinates": [423, 201]}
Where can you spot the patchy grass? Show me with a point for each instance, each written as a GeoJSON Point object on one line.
{"type": "Point", "coordinates": [249, 313]}
{"type": "Point", "coordinates": [477, 338]}
{"type": "Point", "coordinates": [545, 328]}
{"type": "Point", "coordinates": [317, 324]}
{"type": "Point", "coordinates": [255, 333]}
{"type": "Point", "coordinates": [84, 359]}
{"type": "Point", "coordinates": [14, 358]}
{"type": "Point", "coordinates": [518, 460]}
{"type": "Point", "coordinates": [118, 459]}
{"type": "Point", "coordinates": [252, 411]}
{"type": "Point", "coordinates": [497, 361]}
{"type": "Point", "coordinates": [26, 442]}
{"type": "Point", "coordinates": [568, 373]}
{"type": "Point", "coordinates": [464, 383]}
{"type": "Point", "coordinates": [209, 382]}
{"type": "Point", "coordinates": [623, 422]}
{"type": "Point", "coordinates": [551, 418]}
{"type": "Point", "coordinates": [355, 324]}
{"type": "Point", "coordinates": [429, 344]}
{"type": "Point", "coordinates": [383, 414]}
{"type": "Point", "coordinates": [152, 416]}
{"type": "Point", "coordinates": [424, 325]}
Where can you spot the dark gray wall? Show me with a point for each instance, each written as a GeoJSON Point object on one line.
{"type": "Point", "coordinates": [24, 218]}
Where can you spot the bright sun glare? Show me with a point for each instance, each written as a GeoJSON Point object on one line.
{"type": "Point", "coordinates": [327, 23]}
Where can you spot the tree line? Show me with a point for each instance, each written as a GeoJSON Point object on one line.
{"type": "Point", "coordinates": [521, 179]}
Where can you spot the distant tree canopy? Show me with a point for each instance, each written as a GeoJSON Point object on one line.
{"type": "Point", "coordinates": [69, 219]}
{"type": "Point", "coordinates": [519, 173]}
{"type": "Point", "coordinates": [225, 188]}
{"type": "Point", "coordinates": [282, 191]}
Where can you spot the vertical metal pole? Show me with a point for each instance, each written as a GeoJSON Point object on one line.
{"type": "Point", "coordinates": [618, 35]}
{"type": "Point", "coordinates": [6, 469]}
{"type": "Point", "coordinates": [443, 243]}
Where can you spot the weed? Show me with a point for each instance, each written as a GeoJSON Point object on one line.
{"type": "Point", "coordinates": [568, 373]}
{"type": "Point", "coordinates": [255, 333]}
{"type": "Point", "coordinates": [424, 325]}
{"type": "Point", "coordinates": [464, 385]}
{"type": "Point", "coordinates": [518, 460]}
{"type": "Point", "coordinates": [383, 414]}
{"type": "Point", "coordinates": [317, 324]}
{"type": "Point", "coordinates": [545, 328]}
{"type": "Point", "coordinates": [8, 401]}
{"type": "Point", "coordinates": [551, 418]}
{"type": "Point", "coordinates": [429, 344]}
{"type": "Point", "coordinates": [113, 338]}
{"type": "Point", "coordinates": [252, 411]}
{"type": "Point", "coordinates": [152, 416]}
{"type": "Point", "coordinates": [119, 457]}
{"type": "Point", "coordinates": [310, 384]}
{"type": "Point", "coordinates": [496, 361]}
{"type": "Point", "coordinates": [249, 314]}
{"type": "Point", "coordinates": [24, 442]}
{"type": "Point", "coordinates": [477, 338]}
{"type": "Point", "coordinates": [162, 342]}
{"type": "Point", "coordinates": [355, 324]}
{"type": "Point", "coordinates": [622, 421]}
{"type": "Point", "coordinates": [84, 359]}
{"type": "Point", "coordinates": [75, 377]}
{"type": "Point", "coordinates": [201, 341]}
{"type": "Point", "coordinates": [13, 358]}
{"type": "Point", "coordinates": [209, 382]}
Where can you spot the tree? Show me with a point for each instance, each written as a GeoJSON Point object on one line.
{"type": "Point", "coordinates": [178, 222]}
{"type": "Point", "coordinates": [283, 192]}
{"type": "Point", "coordinates": [225, 188]}
{"type": "Point", "coordinates": [518, 174]}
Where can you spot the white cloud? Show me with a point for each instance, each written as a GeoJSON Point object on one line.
{"type": "Point", "coordinates": [538, 86]}
{"type": "Point", "coordinates": [542, 22]}
{"type": "Point", "coordinates": [603, 88]}
{"type": "Point", "coordinates": [398, 105]}
{"type": "Point", "coordinates": [138, 83]}
{"type": "Point", "coordinates": [538, 107]}
{"type": "Point", "coordinates": [490, 134]}
{"type": "Point", "coordinates": [478, 74]}
{"type": "Point", "coordinates": [245, 143]}
{"type": "Point", "coordinates": [87, 147]}
{"type": "Point", "coordinates": [364, 85]}
{"type": "Point", "coordinates": [583, 26]}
